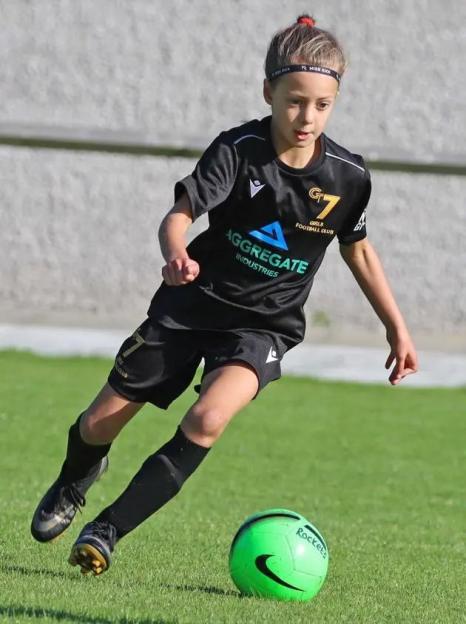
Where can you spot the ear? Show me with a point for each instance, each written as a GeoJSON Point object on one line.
{"type": "Point", "coordinates": [267, 91]}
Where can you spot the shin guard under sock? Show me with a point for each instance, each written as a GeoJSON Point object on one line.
{"type": "Point", "coordinates": [158, 480]}
{"type": "Point", "coordinates": [80, 456]}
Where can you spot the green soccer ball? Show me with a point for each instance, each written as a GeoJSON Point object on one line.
{"type": "Point", "coordinates": [278, 554]}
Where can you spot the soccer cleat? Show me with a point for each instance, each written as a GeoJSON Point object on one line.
{"type": "Point", "coordinates": [60, 503]}
{"type": "Point", "coordinates": [93, 549]}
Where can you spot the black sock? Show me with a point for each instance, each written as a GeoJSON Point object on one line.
{"type": "Point", "coordinates": [80, 456]}
{"type": "Point", "coordinates": [158, 480]}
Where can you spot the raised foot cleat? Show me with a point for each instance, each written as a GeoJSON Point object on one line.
{"type": "Point", "coordinates": [93, 549]}
{"type": "Point", "coordinates": [58, 507]}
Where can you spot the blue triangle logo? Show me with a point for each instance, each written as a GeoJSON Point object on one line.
{"type": "Point", "coordinates": [271, 234]}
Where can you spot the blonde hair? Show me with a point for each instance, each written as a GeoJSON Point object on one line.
{"type": "Point", "coordinates": [303, 42]}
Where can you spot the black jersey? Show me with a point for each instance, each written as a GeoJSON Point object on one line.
{"type": "Point", "coordinates": [269, 227]}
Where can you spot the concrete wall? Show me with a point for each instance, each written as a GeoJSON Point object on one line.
{"type": "Point", "coordinates": [193, 68]}
{"type": "Point", "coordinates": [77, 231]}
{"type": "Point", "coordinates": [79, 243]}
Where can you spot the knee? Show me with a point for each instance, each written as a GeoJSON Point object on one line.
{"type": "Point", "coordinates": [204, 425]}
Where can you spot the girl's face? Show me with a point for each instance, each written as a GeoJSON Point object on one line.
{"type": "Point", "coordinates": [301, 105]}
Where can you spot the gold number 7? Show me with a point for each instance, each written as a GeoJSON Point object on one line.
{"type": "Point", "coordinates": [332, 202]}
{"type": "Point", "coordinates": [139, 342]}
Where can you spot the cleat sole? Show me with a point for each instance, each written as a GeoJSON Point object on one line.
{"type": "Point", "coordinates": [88, 558]}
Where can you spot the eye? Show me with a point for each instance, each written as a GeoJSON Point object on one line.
{"type": "Point", "coordinates": [323, 105]}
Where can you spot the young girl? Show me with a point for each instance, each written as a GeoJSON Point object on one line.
{"type": "Point", "coordinates": [277, 192]}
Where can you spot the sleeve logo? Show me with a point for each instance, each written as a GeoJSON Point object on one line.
{"type": "Point", "coordinates": [361, 224]}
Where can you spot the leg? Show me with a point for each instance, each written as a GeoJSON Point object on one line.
{"type": "Point", "coordinates": [89, 442]}
{"type": "Point", "coordinates": [106, 416]}
{"type": "Point", "coordinates": [224, 392]}
{"type": "Point", "coordinates": [153, 364]}
{"type": "Point", "coordinates": [90, 438]}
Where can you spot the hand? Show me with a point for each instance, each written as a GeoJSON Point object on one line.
{"type": "Point", "coordinates": [403, 353]}
{"type": "Point", "coordinates": [180, 271]}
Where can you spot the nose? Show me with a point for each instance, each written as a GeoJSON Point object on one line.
{"type": "Point", "coordinates": [307, 114]}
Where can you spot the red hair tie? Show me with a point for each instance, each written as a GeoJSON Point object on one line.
{"type": "Point", "coordinates": [306, 19]}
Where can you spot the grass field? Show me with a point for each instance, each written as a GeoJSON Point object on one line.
{"type": "Point", "coordinates": [380, 471]}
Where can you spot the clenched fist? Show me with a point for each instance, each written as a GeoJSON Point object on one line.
{"type": "Point", "coordinates": [180, 271]}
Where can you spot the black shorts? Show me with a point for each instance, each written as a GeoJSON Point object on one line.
{"type": "Point", "coordinates": [156, 364]}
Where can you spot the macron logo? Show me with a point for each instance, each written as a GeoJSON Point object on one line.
{"type": "Point", "coordinates": [271, 234]}
{"type": "Point", "coordinates": [272, 356]}
{"type": "Point", "coordinates": [255, 186]}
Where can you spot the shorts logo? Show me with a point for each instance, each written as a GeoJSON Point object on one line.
{"type": "Point", "coordinates": [271, 234]}
{"type": "Point", "coordinates": [272, 356]}
{"type": "Point", "coordinates": [118, 367]}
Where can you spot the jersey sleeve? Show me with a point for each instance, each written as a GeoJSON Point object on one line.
{"type": "Point", "coordinates": [212, 181]}
{"type": "Point", "coordinates": [354, 228]}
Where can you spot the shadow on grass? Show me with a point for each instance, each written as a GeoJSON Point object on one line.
{"type": "Point", "coordinates": [41, 572]}
{"type": "Point", "coordinates": [207, 589]}
{"type": "Point", "coordinates": [66, 616]}
{"type": "Point", "coordinates": [204, 588]}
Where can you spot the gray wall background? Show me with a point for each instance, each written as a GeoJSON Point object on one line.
{"type": "Point", "coordinates": [78, 230]}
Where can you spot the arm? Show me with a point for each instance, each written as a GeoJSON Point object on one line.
{"type": "Point", "coordinates": [365, 265]}
{"type": "Point", "coordinates": [180, 269]}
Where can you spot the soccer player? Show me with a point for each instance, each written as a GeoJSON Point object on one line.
{"type": "Point", "coordinates": [277, 191]}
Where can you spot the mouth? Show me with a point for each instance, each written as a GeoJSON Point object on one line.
{"type": "Point", "coordinates": [302, 136]}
